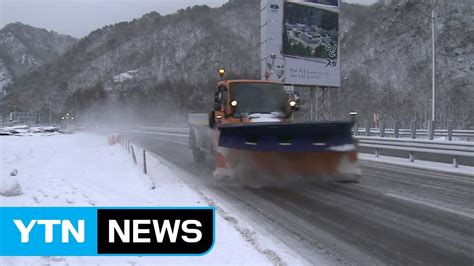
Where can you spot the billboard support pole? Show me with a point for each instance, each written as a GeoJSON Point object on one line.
{"type": "Point", "coordinates": [433, 82]}
{"type": "Point", "coordinates": [319, 103]}
{"type": "Point", "coordinates": [322, 104]}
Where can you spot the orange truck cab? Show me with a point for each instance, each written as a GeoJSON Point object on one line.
{"type": "Point", "coordinates": [241, 101]}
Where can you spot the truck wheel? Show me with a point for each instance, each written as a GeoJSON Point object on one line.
{"type": "Point", "coordinates": [212, 120]}
{"type": "Point", "coordinates": [348, 179]}
{"type": "Point", "coordinates": [198, 155]}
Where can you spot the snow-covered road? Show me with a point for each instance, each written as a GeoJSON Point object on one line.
{"type": "Point", "coordinates": [396, 215]}
{"type": "Point", "coordinates": [82, 170]}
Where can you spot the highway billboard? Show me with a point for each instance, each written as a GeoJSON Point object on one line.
{"type": "Point", "coordinates": [300, 42]}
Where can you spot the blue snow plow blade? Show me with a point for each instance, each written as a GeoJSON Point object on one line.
{"type": "Point", "coordinates": [287, 137]}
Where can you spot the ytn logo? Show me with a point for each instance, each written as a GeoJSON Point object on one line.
{"type": "Point", "coordinates": [91, 231]}
{"type": "Point", "coordinates": [67, 229]}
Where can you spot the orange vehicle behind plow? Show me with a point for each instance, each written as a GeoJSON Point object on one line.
{"type": "Point", "coordinates": [250, 133]}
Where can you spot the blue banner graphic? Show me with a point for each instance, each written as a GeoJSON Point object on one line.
{"type": "Point", "coordinates": [93, 231]}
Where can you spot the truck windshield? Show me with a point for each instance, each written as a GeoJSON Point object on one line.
{"type": "Point", "coordinates": [258, 98]}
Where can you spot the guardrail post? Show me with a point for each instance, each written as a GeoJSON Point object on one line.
{"type": "Point", "coordinates": [382, 129]}
{"type": "Point", "coordinates": [412, 157]}
{"type": "Point", "coordinates": [455, 162]}
{"type": "Point", "coordinates": [377, 153]}
{"type": "Point", "coordinates": [397, 128]}
{"type": "Point", "coordinates": [367, 128]}
{"type": "Point", "coordinates": [144, 162]}
{"type": "Point", "coordinates": [450, 130]}
{"type": "Point", "coordinates": [431, 127]}
{"type": "Point", "coordinates": [413, 129]}
{"type": "Point", "coordinates": [133, 154]}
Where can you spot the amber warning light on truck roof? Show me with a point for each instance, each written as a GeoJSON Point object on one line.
{"type": "Point", "coordinates": [221, 72]}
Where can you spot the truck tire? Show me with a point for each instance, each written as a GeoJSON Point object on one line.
{"type": "Point", "coordinates": [212, 120]}
{"type": "Point", "coordinates": [348, 179]}
{"type": "Point", "coordinates": [198, 155]}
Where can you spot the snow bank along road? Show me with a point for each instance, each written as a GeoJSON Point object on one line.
{"type": "Point", "coordinates": [82, 170]}
{"type": "Point", "coordinates": [395, 215]}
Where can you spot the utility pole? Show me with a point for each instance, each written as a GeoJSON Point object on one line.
{"type": "Point", "coordinates": [313, 99]}
{"type": "Point", "coordinates": [433, 82]}
{"type": "Point", "coordinates": [49, 113]}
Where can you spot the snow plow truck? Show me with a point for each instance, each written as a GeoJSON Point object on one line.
{"type": "Point", "coordinates": [250, 132]}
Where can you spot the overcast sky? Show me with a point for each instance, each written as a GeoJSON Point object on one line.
{"type": "Point", "coordinates": [79, 17]}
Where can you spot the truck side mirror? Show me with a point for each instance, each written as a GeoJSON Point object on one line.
{"type": "Point", "coordinates": [217, 100]}
{"type": "Point", "coordinates": [212, 120]}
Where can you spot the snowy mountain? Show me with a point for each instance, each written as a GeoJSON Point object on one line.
{"type": "Point", "coordinates": [186, 47]}
{"type": "Point", "coordinates": [24, 48]}
{"type": "Point", "coordinates": [168, 62]}
{"type": "Point", "coordinates": [387, 61]}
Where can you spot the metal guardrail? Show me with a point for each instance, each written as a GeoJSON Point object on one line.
{"type": "Point", "coordinates": [407, 133]}
{"type": "Point", "coordinates": [172, 131]}
{"type": "Point", "coordinates": [430, 133]}
{"type": "Point", "coordinates": [454, 149]}
{"type": "Point", "coordinates": [412, 147]}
